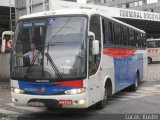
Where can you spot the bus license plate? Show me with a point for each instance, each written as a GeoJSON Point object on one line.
{"type": "Point", "coordinates": [65, 102]}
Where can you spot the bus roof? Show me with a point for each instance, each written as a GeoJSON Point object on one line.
{"type": "Point", "coordinates": [81, 11]}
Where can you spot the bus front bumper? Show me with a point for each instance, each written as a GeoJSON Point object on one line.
{"type": "Point", "coordinates": [55, 101]}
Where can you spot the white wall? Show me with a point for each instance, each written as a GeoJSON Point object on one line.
{"type": "Point", "coordinates": [82, 1]}
{"type": "Point", "coordinates": [7, 3]}
{"type": "Point", "coordinates": [4, 67]}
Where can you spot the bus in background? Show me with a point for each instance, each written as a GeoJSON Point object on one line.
{"type": "Point", "coordinates": [86, 57]}
{"type": "Point", "coordinates": [153, 48]}
{"type": "Point", "coordinates": [6, 41]}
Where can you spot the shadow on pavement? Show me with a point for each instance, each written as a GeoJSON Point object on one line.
{"type": "Point", "coordinates": [156, 62]}
{"type": "Point", "coordinates": [65, 114]}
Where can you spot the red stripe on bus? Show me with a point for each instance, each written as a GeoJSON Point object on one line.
{"type": "Point", "coordinates": [156, 50]}
{"type": "Point", "coordinates": [149, 50]}
{"type": "Point", "coordinates": [118, 52]}
{"type": "Point", "coordinates": [72, 83]}
{"type": "Point", "coordinates": [152, 50]}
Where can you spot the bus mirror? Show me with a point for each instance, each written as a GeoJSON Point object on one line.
{"type": "Point", "coordinates": [3, 47]}
{"type": "Point", "coordinates": [95, 47]}
{"type": "Point", "coordinates": [91, 36]}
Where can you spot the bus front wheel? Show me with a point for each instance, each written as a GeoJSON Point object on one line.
{"type": "Point", "coordinates": [102, 103]}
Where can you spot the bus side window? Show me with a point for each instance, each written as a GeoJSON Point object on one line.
{"type": "Point", "coordinates": [107, 32]}
{"type": "Point", "coordinates": [117, 34]}
{"type": "Point", "coordinates": [143, 40]}
{"type": "Point", "coordinates": [138, 40]}
{"type": "Point", "coordinates": [151, 44]}
{"type": "Point", "coordinates": [125, 36]}
{"type": "Point", "coordinates": [95, 26]}
{"type": "Point", "coordinates": [122, 36]}
{"type": "Point", "coordinates": [158, 44]}
{"type": "Point", "coordinates": [94, 60]}
{"type": "Point", "coordinates": [131, 38]}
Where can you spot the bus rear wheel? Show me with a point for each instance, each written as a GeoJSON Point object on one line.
{"type": "Point", "coordinates": [53, 108]}
{"type": "Point", "coordinates": [102, 103]}
{"type": "Point", "coordinates": [149, 60]}
{"type": "Point", "coordinates": [135, 85]}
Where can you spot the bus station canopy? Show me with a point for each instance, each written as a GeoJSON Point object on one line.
{"type": "Point", "coordinates": [147, 21]}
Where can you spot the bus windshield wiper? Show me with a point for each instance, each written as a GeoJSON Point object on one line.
{"type": "Point", "coordinates": [57, 72]}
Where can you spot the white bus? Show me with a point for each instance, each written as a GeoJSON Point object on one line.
{"type": "Point", "coordinates": [153, 50]}
{"type": "Point", "coordinates": [86, 57]}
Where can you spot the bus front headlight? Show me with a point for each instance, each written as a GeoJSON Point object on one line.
{"type": "Point", "coordinates": [75, 91]}
{"type": "Point", "coordinates": [17, 90]}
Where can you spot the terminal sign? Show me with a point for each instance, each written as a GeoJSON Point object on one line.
{"type": "Point", "coordinates": [124, 13]}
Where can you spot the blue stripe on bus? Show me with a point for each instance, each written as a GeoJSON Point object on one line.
{"type": "Point", "coordinates": [37, 88]}
{"type": "Point", "coordinates": [125, 70]}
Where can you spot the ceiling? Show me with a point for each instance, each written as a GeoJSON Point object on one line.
{"type": "Point", "coordinates": [150, 27]}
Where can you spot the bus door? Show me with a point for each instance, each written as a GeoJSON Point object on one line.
{"type": "Point", "coordinates": [94, 61]}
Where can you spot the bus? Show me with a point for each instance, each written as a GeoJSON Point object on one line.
{"type": "Point", "coordinates": [74, 58]}
{"type": "Point", "coordinates": [153, 48]}
{"type": "Point", "coordinates": [6, 41]}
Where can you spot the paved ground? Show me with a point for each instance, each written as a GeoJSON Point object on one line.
{"type": "Point", "coordinates": [146, 100]}
{"type": "Point", "coordinates": [154, 71]}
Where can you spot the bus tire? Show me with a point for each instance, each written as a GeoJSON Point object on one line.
{"type": "Point", "coordinates": [135, 85]}
{"type": "Point", "coordinates": [149, 60]}
{"type": "Point", "coordinates": [53, 109]}
{"type": "Point", "coordinates": [102, 103]}
{"type": "Point", "coordinates": [50, 108]}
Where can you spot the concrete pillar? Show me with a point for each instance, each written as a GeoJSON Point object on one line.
{"type": "Point", "coordinates": [28, 6]}
{"type": "Point", "coordinates": [5, 67]}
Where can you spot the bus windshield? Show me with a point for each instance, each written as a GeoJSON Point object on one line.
{"type": "Point", "coordinates": [51, 48]}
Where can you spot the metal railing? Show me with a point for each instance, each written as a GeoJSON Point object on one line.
{"type": "Point", "coordinates": [12, 16]}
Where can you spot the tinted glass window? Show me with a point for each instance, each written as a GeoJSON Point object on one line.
{"type": "Point", "coordinates": [138, 40]}
{"type": "Point", "coordinates": [94, 60]}
{"type": "Point", "coordinates": [95, 26]}
{"type": "Point", "coordinates": [107, 32]}
{"type": "Point", "coordinates": [50, 48]}
{"type": "Point", "coordinates": [143, 40]}
{"type": "Point", "coordinates": [125, 36]}
{"type": "Point", "coordinates": [152, 44]}
{"type": "Point", "coordinates": [158, 43]}
{"type": "Point", "coordinates": [117, 33]}
{"type": "Point", "coordinates": [131, 38]}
